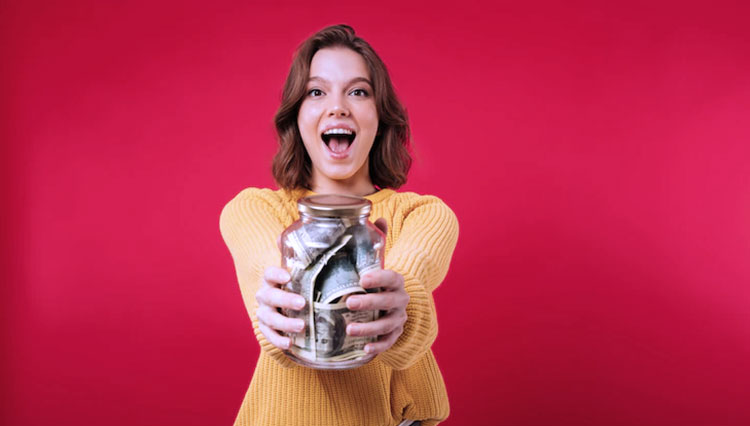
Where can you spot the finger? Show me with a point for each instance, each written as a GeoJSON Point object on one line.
{"type": "Point", "coordinates": [385, 278]}
{"type": "Point", "coordinates": [273, 319]}
{"type": "Point", "coordinates": [382, 225]}
{"type": "Point", "coordinates": [276, 276]}
{"type": "Point", "coordinates": [384, 343]}
{"type": "Point", "coordinates": [278, 298]}
{"type": "Point", "coordinates": [383, 301]}
{"type": "Point", "coordinates": [378, 327]}
{"type": "Point", "coordinates": [275, 338]}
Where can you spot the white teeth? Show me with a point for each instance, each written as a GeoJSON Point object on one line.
{"type": "Point", "coordinates": [337, 132]}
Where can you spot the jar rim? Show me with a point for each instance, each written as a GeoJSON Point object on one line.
{"type": "Point", "coordinates": [334, 205]}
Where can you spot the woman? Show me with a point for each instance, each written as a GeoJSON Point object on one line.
{"type": "Point", "coordinates": [342, 130]}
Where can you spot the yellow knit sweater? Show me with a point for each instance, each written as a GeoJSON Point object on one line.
{"type": "Point", "coordinates": [401, 383]}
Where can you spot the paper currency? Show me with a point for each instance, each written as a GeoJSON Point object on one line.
{"type": "Point", "coordinates": [311, 239]}
{"type": "Point", "coordinates": [331, 341]}
{"type": "Point", "coordinates": [338, 279]}
{"type": "Point", "coordinates": [364, 252]}
{"type": "Point", "coordinates": [305, 287]}
{"type": "Point", "coordinates": [326, 263]}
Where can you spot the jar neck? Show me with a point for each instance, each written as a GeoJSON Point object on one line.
{"type": "Point", "coordinates": [307, 218]}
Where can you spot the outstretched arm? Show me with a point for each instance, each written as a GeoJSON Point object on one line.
{"type": "Point", "coordinates": [250, 226]}
{"type": "Point", "coordinates": [416, 264]}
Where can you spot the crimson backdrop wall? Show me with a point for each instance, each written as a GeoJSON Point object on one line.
{"type": "Point", "coordinates": [596, 155]}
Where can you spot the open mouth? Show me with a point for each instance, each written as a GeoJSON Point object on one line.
{"type": "Point", "coordinates": [338, 140]}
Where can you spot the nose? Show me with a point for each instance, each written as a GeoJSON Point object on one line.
{"type": "Point", "coordinates": [338, 107]}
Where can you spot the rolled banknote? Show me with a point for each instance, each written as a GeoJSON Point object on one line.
{"type": "Point", "coordinates": [331, 341]}
{"type": "Point", "coordinates": [363, 250]}
{"type": "Point", "coordinates": [310, 240]}
{"type": "Point", "coordinates": [337, 279]}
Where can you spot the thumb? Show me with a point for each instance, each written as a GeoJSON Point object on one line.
{"type": "Point", "coordinates": [382, 224]}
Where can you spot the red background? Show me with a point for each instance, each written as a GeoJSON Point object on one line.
{"type": "Point", "coordinates": [596, 155]}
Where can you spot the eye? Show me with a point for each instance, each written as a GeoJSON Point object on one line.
{"type": "Point", "coordinates": [315, 92]}
{"type": "Point", "coordinates": [360, 92]}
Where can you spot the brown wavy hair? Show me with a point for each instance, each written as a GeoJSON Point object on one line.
{"type": "Point", "coordinates": [389, 159]}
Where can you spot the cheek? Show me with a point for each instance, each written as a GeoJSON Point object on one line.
{"type": "Point", "coordinates": [307, 119]}
{"type": "Point", "coordinates": [368, 118]}
{"type": "Point", "coordinates": [307, 132]}
{"type": "Point", "coordinates": [372, 127]}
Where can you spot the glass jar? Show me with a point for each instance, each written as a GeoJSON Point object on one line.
{"type": "Point", "coordinates": [326, 251]}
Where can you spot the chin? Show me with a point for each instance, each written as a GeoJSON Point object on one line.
{"type": "Point", "coordinates": [342, 176]}
{"type": "Point", "coordinates": [339, 173]}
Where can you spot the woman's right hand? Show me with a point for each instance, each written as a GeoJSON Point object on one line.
{"type": "Point", "coordinates": [270, 298]}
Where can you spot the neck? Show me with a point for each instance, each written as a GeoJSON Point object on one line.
{"type": "Point", "coordinates": [356, 185]}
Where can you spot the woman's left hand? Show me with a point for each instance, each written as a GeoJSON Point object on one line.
{"type": "Point", "coordinates": [392, 299]}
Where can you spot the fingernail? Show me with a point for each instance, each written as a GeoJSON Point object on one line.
{"type": "Point", "coordinates": [353, 303]}
{"type": "Point", "coordinates": [299, 325]}
{"type": "Point", "coordinates": [299, 303]}
{"type": "Point", "coordinates": [284, 276]}
{"type": "Point", "coordinates": [352, 330]}
{"type": "Point", "coordinates": [368, 349]}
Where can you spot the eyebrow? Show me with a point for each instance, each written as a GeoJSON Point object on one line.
{"type": "Point", "coordinates": [349, 83]}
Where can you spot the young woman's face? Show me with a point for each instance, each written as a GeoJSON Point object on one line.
{"type": "Point", "coordinates": [338, 119]}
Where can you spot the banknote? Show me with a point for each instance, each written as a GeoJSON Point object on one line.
{"type": "Point", "coordinates": [312, 239]}
{"type": "Point", "coordinates": [327, 263]}
{"type": "Point", "coordinates": [331, 341]}
{"type": "Point", "coordinates": [363, 250]}
{"type": "Point", "coordinates": [306, 288]}
{"type": "Point", "coordinates": [337, 279]}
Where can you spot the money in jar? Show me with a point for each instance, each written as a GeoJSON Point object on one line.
{"type": "Point", "coordinates": [326, 252]}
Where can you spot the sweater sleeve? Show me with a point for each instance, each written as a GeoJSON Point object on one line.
{"type": "Point", "coordinates": [422, 255]}
{"type": "Point", "coordinates": [250, 225]}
